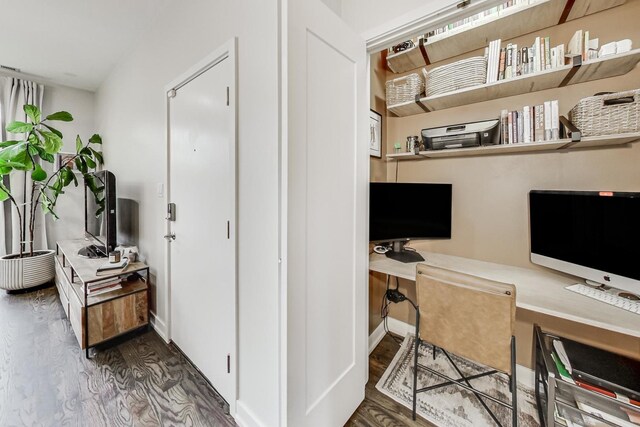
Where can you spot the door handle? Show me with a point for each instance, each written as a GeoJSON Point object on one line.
{"type": "Point", "coordinates": [170, 237]}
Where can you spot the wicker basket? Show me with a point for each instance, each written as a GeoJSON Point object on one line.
{"type": "Point", "coordinates": [404, 89]}
{"type": "Point", "coordinates": [455, 76]}
{"type": "Point", "coordinates": [608, 114]}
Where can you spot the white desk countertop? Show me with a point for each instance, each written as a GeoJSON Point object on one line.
{"type": "Point", "coordinates": [536, 290]}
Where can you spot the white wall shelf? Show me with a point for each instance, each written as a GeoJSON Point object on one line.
{"type": "Point", "coordinates": [596, 69]}
{"type": "Point", "coordinates": [561, 144]}
{"type": "Point", "coordinates": [510, 23]}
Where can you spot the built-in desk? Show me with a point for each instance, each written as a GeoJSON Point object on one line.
{"type": "Point", "coordinates": [536, 290]}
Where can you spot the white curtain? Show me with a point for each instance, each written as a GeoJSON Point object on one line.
{"type": "Point", "coordinates": [14, 94]}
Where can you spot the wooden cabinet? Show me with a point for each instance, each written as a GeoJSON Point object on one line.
{"type": "Point", "coordinates": [97, 319]}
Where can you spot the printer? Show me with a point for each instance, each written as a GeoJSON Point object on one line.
{"type": "Point", "coordinates": [486, 132]}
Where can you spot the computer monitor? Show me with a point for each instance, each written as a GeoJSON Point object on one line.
{"type": "Point", "coordinates": [590, 234]}
{"type": "Point", "coordinates": [100, 219]}
{"type": "Point", "coordinates": [399, 212]}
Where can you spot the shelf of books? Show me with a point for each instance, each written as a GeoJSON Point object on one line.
{"type": "Point", "coordinates": [560, 144]}
{"type": "Point", "coordinates": [595, 69]}
{"type": "Point", "coordinates": [507, 21]}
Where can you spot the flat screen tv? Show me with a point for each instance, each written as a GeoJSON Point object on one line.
{"type": "Point", "coordinates": [399, 212]}
{"type": "Point", "coordinates": [590, 234]}
{"type": "Point", "coordinates": [100, 214]}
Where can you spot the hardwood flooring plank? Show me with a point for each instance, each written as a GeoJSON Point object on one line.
{"type": "Point", "coordinates": [45, 379]}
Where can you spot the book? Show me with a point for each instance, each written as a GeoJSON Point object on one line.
{"type": "Point", "coordinates": [509, 61]}
{"type": "Point", "coordinates": [555, 120]}
{"type": "Point", "coordinates": [520, 126]}
{"type": "Point", "coordinates": [538, 58]}
{"type": "Point", "coordinates": [547, 121]}
{"type": "Point", "coordinates": [504, 126]}
{"type": "Point", "coordinates": [103, 283]}
{"type": "Point", "coordinates": [112, 267]}
{"type": "Point", "coordinates": [526, 126]}
{"type": "Point", "coordinates": [503, 54]}
{"type": "Point", "coordinates": [574, 48]}
{"type": "Point", "coordinates": [539, 127]}
{"type": "Point", "coordinates": [547, 53]}
{"type": "Point", "coordinates": [585, 46]}
{"type": "Point", "coordinates": [510, 126]}
{"type": "Point", "coordinates": [105, 290]}
{"type": "Point", "coordinates": [560, 55]}
{"type": "Point", "coordinates": [554, 57]}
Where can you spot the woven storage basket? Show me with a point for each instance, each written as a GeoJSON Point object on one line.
{"type": "Point", "coordinates": [455, 76]}
{"type": "Point", "coordinates": [608, 114]}
{"type": "Point", "coordinates": [404, 89]}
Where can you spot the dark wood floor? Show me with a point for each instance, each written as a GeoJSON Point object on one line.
{"type": "Point", "coordinates": [45, 379]}
{"type": "Point", "coordinates": [378, 409]}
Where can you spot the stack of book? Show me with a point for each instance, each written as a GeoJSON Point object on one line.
{"type": "Point", "coordinates": [480, 18]}
{"type": "Point", "coordinates": [536, 123]}
{"type": "Point", "coordinates": [104, 286]}
{"type": "Point", "coordinates": [513, 61]}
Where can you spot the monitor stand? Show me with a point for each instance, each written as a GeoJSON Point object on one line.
{"type": "Point", "coordinates": [93, 252]}
{"type": "Point", "coordinates": [399, 253]}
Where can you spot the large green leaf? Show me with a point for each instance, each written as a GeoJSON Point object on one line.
{"type": "Point", "coordinates": [54, 130]}
{"type": "Point", "coordinates": [79, 144]}
{"type": "Point", "coordinates": [52, 142]}
{"type": "Point", "coordinates": [90, 162]}
{"type": "Point", "coordinates": [3, 195]}
{"type": "Point", "coordinates": [61, 116]}
{"type": "Point", "coordinates": [97, 155]}
{"type": "Point", "coordinates": [9, 153]}
{"type": "Point", "coordinates": [9, 143]}
{"type": "Point", "coordinates": [45, 156]}
{"type": "Point", "coordinates": [95, 139]}
{"type": "Point", "coordinates": [19, 127]}
{"type": "Point", "coordinates": [32, 112]}
{"type": "Point", "coordinates": [38, 173]}
{"type": "Point", "coordinates": [19, 158]}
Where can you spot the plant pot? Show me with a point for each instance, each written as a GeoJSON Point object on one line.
{"type": "Point", "coordinates": [22, 273]}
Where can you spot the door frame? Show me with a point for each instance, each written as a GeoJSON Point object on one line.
{"type": "Point", "coordinates": [227, 51]}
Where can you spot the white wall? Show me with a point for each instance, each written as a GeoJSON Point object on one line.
{"type": "Point", "coordinates": [334, 5]}
{"type": "Point", "coordinates": [131, 117]}
{"type": "Point", "coordinates": [70, 207]}
{"type": "Point", "coordinates": [364, 15]}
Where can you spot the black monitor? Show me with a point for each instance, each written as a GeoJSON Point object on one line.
{"type": "Point", "coordinates": [399, 212]}
{"type": "Point", "coordinates": [590, 234]}
{"type": "Point", "coordinates": [100, 214]}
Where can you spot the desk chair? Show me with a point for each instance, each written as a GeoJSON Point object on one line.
{"type": "Point", "coordinates": [471, 317]}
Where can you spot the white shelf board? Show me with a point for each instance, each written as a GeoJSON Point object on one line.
{"type": "Point", "coordinates": [602, 68]}
{"type": "Point", "coordinates": [510, 23]}
{"type": "Point", "coordinates": [587, 142]}
{"type": "Point", "coordinates": [406, 60]}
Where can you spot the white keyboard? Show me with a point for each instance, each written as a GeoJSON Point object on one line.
{"type": "Point", "coordinates": [610, 297]}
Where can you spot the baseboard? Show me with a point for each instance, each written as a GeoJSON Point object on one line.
{"type": "Point", "coordinates": [159, 326]}
{"type": "Point", "coordinates": [524, 375]}
{"type": "Point", "coordinates": [244, 417]}
{"type": "Point", "coordinates": [376, 336]}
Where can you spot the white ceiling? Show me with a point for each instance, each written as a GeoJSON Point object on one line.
{"type": "Point", "coordinates": [72, 42]}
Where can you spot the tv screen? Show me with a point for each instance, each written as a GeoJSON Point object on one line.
{"type": "Point", "coordinates": [100, 210]}
{"type": "Point", "coordinates": [400, 211]}
{"type": "Point", "coordinates": [593, 235]}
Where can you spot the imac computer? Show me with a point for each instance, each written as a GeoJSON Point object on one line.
{"type": "Point", "coordinates": [590, 234]}
{"type": "Point", "coordinates": [399, 212]}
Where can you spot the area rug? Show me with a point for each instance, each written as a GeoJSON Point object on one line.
{"type": "Point", "coordinates": [452, 406]}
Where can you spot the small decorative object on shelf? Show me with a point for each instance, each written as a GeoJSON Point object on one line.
{"type": "Point", "coordinates": [413, 142]}
{"type": "Point", "coordinates": [608, 113]}
{"type": "Point", "coordinates": [403, 46]}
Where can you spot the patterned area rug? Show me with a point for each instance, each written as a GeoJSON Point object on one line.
{"type": "Point", "coordinates": [452, 406]}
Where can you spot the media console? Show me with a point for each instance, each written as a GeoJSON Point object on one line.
{"type": "Point", "coordinates": [96, 319]}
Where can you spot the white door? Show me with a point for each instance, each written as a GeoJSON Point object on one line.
{"type": "Point", "coordinates": [202, 185]}
{"type": "Point", "coordinates": [326, 224]}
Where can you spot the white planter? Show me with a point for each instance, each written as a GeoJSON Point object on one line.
{"type": "Point", "coordinates": [23, 273]}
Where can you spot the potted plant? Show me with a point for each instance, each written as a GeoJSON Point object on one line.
{"type": "Point", "coordinates": [39, 142]}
